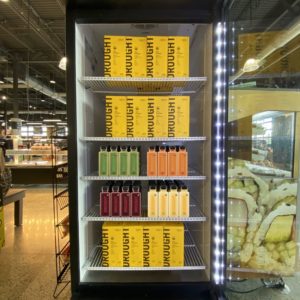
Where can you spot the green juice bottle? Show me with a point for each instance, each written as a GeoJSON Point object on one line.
{"type": "Point", "coordinates": [124, 163]}
{"type": "Point", "coordinates": [103, 161]}
{"type": "Point", "coordinates": [134, 161]}
{"type": "Point", "coordinates": [113, 161]}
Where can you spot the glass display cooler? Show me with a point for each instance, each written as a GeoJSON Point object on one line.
{"type": "Point", "coordinates": [263, 140]}
{"type": "Point", "coordinates": [96, 168]}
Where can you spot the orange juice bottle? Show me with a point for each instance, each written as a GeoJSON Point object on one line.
{"type": "Point", "coordinates": [152, 162]}
{"type": "Point", "coordinates": [172, 161]}
{"type": "Point", "coordinates": [162, 160]}
{"type": "Point", "coordinates": [182, 162]}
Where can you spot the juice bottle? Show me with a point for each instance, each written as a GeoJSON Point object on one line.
{"type": "Point", "coordinates": [125, 201]}
{"type": "Point", "coordinates": [162, 161]}
{"type": "Point", "coordinates": [113, 161]}
{"type": "Point", "coordinates": [182, 161]}
{"type": "Point", "coordinates": [152, 162]}
{"type": "Point", "coordinates": [173, 201]}
{"type": "Point", "coordinates": [124, 165]}
{"type": "Point", "coordinates": [152, 201]}
{"type": "Point", "coordinates": [172, 161]}
{"type": "Point", "coordinates": [184, 202]}
{"type": "Point", "coordinates": [163, 202]}
{"type": "Point", "coordinates": [136, 207]}
{"type": "Point", "coordinates": [116, 200]}
{"type": "Point", "coordinates": [134, 161]}
{"type": "Point", "coordinates": [105, 201]}
{"type": "Point", "coordinates": [103, 161]}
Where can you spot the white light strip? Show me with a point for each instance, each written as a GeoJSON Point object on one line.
{"type": "Point", "coordinates": [219, 162]}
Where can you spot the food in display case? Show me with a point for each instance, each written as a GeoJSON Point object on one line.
{"type": "Point", "coordinates": [261, 222]}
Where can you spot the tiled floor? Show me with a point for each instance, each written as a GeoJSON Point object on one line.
{"type": "Point", "coordinates": [27, 262]}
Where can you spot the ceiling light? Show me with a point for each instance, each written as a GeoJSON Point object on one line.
{"type": "Point", "coordinates": [1, 81]}
{"type": "Point", "coordinates": [63, 64]}
{"type": "Point", "coordinates": [62, 123]}
{"type": "Point", "coordinates": [52, 81]}
{"type": "Point", "coordinates": [34, 123]}
{"type": "Point", "coordinates": [251, 65]}
{"type": "Point", "coordinates": [43, 100]}
{"type": "Point", "coordinates": [4, 97]}
{"type": "Point", "coordinates": [4, 0]}
{"type": "Point", "coordinates": [30, 106]}
{"type": "Point", "coordinates": [52, 120]}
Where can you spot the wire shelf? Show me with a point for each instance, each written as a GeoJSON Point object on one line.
{"type": "Point", "coordinates": [192, 261]}
{"type": "Point", "coordinates": [62, 199]}
{"type": "Point", "coordinates": [143, 84]}
{"type": "Point", "coordinates": [141, 178]}
{"type": "Point", "coordinates": [93, 215]}
{"type": "Point", "coordinates": [144, 139]}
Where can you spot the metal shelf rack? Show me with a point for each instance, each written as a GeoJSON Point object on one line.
{"type": "Point", "coordinates": [192, 260]}
{"type": "Point", "coordinates": [144, 139]}
{"type": "Point", "coordinates": [144, 85]}
{"type": "Point", "coordinates": [93, 215]}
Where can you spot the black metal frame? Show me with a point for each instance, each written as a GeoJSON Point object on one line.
{"type": "Point", "coordinates": [60, 204]}
{"type": "Point", "coordinates": [193, 11]}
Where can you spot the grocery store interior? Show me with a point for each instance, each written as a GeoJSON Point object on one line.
{"type": "Point", "coordinates": [149, 151]}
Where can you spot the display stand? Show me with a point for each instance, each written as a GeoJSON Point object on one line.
{"type": "Point", "coordinates": [61, 222]}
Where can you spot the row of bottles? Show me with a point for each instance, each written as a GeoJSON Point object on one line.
{"type": "Point", "coordinates": [168, 199]}
{"type": "Point", "coordinates": [121, 199]}
{"type": "Point", "coordinates": [167, 161]}
{"type": "Point", "coordinates": [119, 161]}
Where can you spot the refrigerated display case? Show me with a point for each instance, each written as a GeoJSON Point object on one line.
{"type": "Point", "coordinates": [263, 140]}
{"type": "Point", "coordinates": [88, 22]}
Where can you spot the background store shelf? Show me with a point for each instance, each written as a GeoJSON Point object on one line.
{"type": "Point", "coordinates": [35, 152]}
{"type": "Point", "coordinates": [144, 139]}
{"type": "Point", "coordinates": [195, 216]}
{"type": "Point", "coordinates": [192, 260]}
{"type": "Point", "coordinates": [144, 85]}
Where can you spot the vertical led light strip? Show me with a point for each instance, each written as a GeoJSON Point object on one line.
{"type": "Point", "coordinates": [219, 180]}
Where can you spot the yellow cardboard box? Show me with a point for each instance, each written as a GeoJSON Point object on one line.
{"type": "Point", "coordinates": [182, 116]}
{"type": "Point", "coordinates": [178, 56]}
{"type": "Point", "coordinates": [116, 116]}
{"type": "Point", "coordinates": [140, 116]}
{"type": "Point", "coordinates": [114, 56]}
{"type": "Point", "coordinates": [151, 116]}
{"type": "Point", "coordinates": [152, 244]}
{"type": "Point", "coordinates": [157, 56]}
{"type": "Point", "coordinates": [160, 117]}
{"type": "Point", "coordinates": [173, 240]}
{"type": "Point", "coordinates": [136, 56]}
{"type": "Point", "coordinates": [136, 244]}
{"type": "Point", "coordinates": [112, 243]}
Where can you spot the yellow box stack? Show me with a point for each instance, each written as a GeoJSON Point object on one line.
{"type": "Point", "coordinates": [148, 244]}
{"type": "Point", "coordinates": [151, 56]}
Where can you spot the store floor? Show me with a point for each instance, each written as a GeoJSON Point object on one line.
{"type": "Point", "coordinates": [27, 262]}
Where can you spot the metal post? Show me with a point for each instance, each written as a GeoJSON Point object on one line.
{"type": "Point", "coordinates": [15, 88]}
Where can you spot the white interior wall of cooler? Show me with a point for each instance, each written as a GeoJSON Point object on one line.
{"type": "Point", "coordinates": [91, 122]}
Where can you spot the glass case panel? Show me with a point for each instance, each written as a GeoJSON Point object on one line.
{"type": "Point", "coordinates": [264, 138]}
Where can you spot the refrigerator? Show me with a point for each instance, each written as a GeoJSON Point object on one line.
{"type": "Point", "coordinates": [90, 83]}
